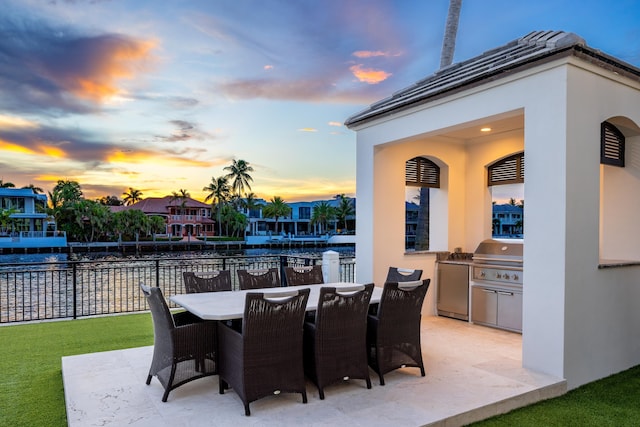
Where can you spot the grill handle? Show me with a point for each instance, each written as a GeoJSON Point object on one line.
{"type": "Point", "coordinates": [493, 260]}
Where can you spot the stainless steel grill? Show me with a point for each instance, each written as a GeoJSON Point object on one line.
{"type": "Point", "coordinates": [498, 261]}
{"type": "Point", "coordinates": [497, 284]}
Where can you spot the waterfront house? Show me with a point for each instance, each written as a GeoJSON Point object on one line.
{"type": "Point", "coordinates": [25, 221]}
{"type": "Point", "coordinates": [571, 113]}
{"type": "Point", "coordinates": [507, 220]}
{"type": "Point", "coordinates": [183, 216]}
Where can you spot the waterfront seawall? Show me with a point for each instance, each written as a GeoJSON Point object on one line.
{"type": "Point", "coordinates": [181, 245]}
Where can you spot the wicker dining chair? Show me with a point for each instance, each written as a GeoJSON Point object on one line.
{"type": "Point", "coordinates": [396, 274]}
{"type": "Point", "coordinates": [335, 344]}
{"type": "Point", "coordinates": [217, 280]}
{"type": "Point", "coordinates": [184, 348]}
{"type": "Point", "coordinates": [265, 357]}
{"type": "Point", "coordinates": [258, 279]}
{"type": "Point", "coordinates": [393, 334]}
{"type": "Point", "coordinates": [309, 275]}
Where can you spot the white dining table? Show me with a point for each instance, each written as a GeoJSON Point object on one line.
{"type": "Point", "coordinates": [227, 305]}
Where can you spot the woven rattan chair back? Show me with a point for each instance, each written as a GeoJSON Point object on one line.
{"type": "Point", "coordinates": [184, 348]}
{"type": "Point", "coordinates": [258, 279]}
{"type": "Point", "coordinates": [217, 280]}
{"type": "Point", "coordinates": [335, 345]}
{"type": "Point", "coordinates": [309, 275]}
{"type": "Point", "coordinates": [396, 274]}
{"type": "Point", "coordinates": [393, 339]}
{"type": "Point", "coordinates": [265, 358]}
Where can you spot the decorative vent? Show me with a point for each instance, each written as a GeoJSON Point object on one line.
{"type": "Point", "coordinates": [509, 170]}
{"type": "Point", "coordinates": [611, 145]}
{"type": "Point", "coordinates": [421, 172]}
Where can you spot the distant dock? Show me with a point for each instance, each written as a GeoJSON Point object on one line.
{"type": "Point", "coordinates": [180, 245]}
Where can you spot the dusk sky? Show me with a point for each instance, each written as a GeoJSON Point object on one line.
{"type": "Point", "coordinates": [160, 95]}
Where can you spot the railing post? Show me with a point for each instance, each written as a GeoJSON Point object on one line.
{"type": "Point", "coordinates": [331, 267]}
{"type": "Point", "coordinates": [283, 263]}
{"type": "Point", "coordinates": [157, 273]}
{"type": "Point", "coordinates": [75, 291]}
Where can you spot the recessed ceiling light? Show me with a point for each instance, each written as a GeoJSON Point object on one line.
{"type": "Point", "coordinates": [485, 130]}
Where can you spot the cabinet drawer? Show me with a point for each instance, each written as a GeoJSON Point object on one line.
{"type": "Point", "coordinates": [510, 310]}
{"type": "Point", "coordinates": [484, 306]}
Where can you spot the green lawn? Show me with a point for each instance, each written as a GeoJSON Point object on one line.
{"type": "Point", "coordinates": [612, 401]}
{"type": "Point", "coordinates": [31, 391]}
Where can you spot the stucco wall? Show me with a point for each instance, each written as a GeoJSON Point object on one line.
{"type": "Point", "coordinates": [578, 320]}
{"type": "Point", "coordinates": [601, 318]}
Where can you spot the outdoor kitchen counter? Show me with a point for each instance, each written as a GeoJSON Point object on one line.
{"type": "Point", "coordinates": [457, 261]}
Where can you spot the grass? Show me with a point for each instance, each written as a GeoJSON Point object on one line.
{"type": "Point", "coordinates": [611, 401]}
{"type": "Point", "coordinates": [31, 390]}
{"type": "Point", "coordinates": [32, 394]}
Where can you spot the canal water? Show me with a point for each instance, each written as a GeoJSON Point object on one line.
{"type": "Point", "coordinates": [344, 251]}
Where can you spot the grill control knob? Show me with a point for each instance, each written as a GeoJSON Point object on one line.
{"type": "Point", "coordinates": [482, 274]}
{"type": "Point", "coordinates": [506, 277]}
{"type": "Point", "coordinates": [498, 276]}
{"type": "Point", "coordinates": [515, 277]}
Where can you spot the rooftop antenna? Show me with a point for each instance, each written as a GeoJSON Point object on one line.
{"type": "Point", "coordinates": [450, 33]}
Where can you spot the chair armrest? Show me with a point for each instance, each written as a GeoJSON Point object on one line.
{"type": "Point", "coordinates": [184, 318]}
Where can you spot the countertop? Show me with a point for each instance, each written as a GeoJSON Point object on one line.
{"type": "Point", "coordinates": [456, 261]}
{"type": "Point", "coordinates": [613, 263]}
{"type": "Point", "coordinates": [464, 258]}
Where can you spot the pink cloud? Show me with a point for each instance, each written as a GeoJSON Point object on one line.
{"type": "Point", "coordinates": [372, 54]}
{"type": "Point", "coordinates": [369, 75]}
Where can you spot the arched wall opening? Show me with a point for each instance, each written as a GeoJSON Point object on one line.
{"type": "Point", "coordinates": [620, 197]}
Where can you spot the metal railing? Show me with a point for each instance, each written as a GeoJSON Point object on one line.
{"type": "Point", "coordinates": [73, 289]}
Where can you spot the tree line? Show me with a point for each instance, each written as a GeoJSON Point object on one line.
{"type": "Point", "coordinates": [230, 195]}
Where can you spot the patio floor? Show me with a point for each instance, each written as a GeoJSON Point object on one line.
{"type": "Point", "coordinates": [473, 372]}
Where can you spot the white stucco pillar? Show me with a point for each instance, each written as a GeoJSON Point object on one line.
{"type": "Point", "coordinates": [365, 209]}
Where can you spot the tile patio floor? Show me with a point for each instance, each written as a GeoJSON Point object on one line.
{"type": "Point", "coordinates": [473, 372]}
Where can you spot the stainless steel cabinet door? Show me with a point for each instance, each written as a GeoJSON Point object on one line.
{"type": "Point", "coordinates": [453, 290]}
{"type": "Point", "coordinates": [484, 306]}
{"type": "Point", "coordinates": [510, 310]}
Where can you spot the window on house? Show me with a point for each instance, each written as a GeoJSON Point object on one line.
{"type": "Point", "coordinates": [506, 181]}
{"type": "Point", "coordinates": [304, 212]}
{"type": "Point", "coordinates": [421, 175]}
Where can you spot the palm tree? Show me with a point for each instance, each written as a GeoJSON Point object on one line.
{"type": "Point", "coordinates": [6, 184]}
{"type": "Point", "coordinates": [182, 195]}
{"type": "Point", "coordinates": [5, 218]}
{"type": "Point", "coordinates": [450, 33]}
{"type": "Point", "coordinates": [67, 191]}
{"type": "Point", "coordinates": [276, 208]}
{"type": "Point", "coordinates": [219, 193]}
{"type": "Point", "coordinates": [239, 172]}
{"type": "Point", "coordinates": [132, 196]}
{"type": "Point", "coordinates": [157, 225]}
{"type": "Point", "coordinates": [422, 227]}
{"type": "Point", "coordinates": [110, 201]}
{"type": "Point", "coordinates": [322, 214]}
{"type": "Point", "coordinates": [344, 209]}
{"type": "Point", "coordinates": [251, 203]}
{"type": "Point", "coordinates": [36, 190]}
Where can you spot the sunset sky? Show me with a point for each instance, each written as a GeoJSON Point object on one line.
{"type": "Point", "coordinates": [160, 95]}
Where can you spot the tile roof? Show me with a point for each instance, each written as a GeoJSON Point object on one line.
{"type": "Point", "coordinates": [159, 205]}
{"type": "Point", "coordinates": [535, 47]}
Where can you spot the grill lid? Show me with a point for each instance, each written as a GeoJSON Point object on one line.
{"type": "Point", "coordinates": [499, 251]}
